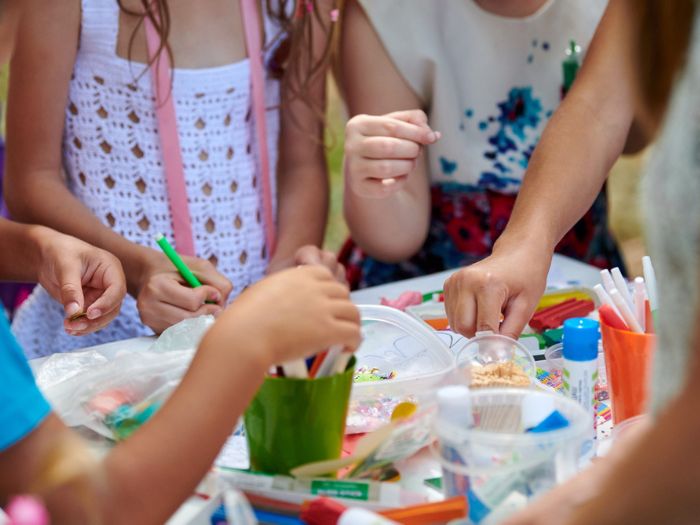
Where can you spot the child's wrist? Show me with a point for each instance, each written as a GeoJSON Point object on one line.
{"type": "Point", "coordinates": [138, 267]}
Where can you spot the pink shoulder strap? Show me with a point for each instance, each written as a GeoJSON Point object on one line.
{"type": "Point", "coordinates": [170, 141]}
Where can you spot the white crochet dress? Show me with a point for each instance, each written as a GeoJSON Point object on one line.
{"type": "Point", "coordinates": [113, 163]}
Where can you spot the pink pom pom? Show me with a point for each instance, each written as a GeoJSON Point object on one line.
{"type": "Point", "coordinates": [27, 510]}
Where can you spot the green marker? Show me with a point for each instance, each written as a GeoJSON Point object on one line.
{"type": "Point", "coordinates": [175, 258]}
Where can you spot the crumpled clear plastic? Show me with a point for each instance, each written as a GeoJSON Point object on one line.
{"type": "Point", "coordinates": [113, 391]}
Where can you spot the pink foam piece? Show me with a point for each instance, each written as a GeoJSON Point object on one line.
{"type": "Point", "coordinates": [404, 300]}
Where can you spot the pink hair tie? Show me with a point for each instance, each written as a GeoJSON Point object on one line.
{"type": "Point", "coordinates": [27, 510]}
{"type": "Point", "coordinates": [335, 13]}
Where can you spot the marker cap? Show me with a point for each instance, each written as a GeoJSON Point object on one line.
{"type": "Point", "coordinates": [581, 336]}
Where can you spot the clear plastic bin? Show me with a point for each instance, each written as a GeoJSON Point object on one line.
{"type": "Point", "coordinates": [395, 343]}
{"type": "Point", "coordinates": [498, 466]}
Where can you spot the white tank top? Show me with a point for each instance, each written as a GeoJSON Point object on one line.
{"type": "Point", "coordinates": [113, 163]}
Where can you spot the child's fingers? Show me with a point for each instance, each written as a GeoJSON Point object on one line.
{"type": "Point", "coordinates": [109, 301]}
{"type": "Point", "coordinates": [347, 334]}
{"type": "Point", "coordinates": [207, 273]}
{"type": "Point", "coordinates": [346, 311]}
{"type": "Point", "coordinates": [388, 127]}
{"type": "Point", "coordinates": [336, 290]}
{"type": "Point", "coordinates": [386, 168]}
{"type": "Point", "coordinates": [390, 148]}
{"type": "Point", "coordinates": [516, 316]}
{"type": "Point", "coordinates": [163, 315]}
{"type": "Point", "coordinates": [308, 255]}
{"type": "Point", "coordinates": [191, 299]}
{"type": "Point", "coordinates": [414, 116]}
{"type": "Point", "coordinates": [382, 188]}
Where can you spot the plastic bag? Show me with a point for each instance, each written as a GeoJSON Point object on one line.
{"type": "Point", "coordinates": [115, 392]}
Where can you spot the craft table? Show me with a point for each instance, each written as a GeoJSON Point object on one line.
{"type": "Point", "coordinates": [564, 272]}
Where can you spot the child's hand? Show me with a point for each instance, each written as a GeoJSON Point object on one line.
{"type": "Point", "coordinates": [508, 282]}
{"type": "Point", "coordinates": [164, 298]}
{"type": "Point", "coordinates": [313, 255]}
{"type": "Point", "coordinates": [295, 313]}
{"type": "Point", "coordinates": [82, 278]}
{"type": "Point", "coordinates": [381, 151]}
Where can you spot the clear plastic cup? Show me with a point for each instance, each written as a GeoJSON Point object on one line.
{"type": "Point", "coordinates": [498, 466]}
{"type": "Point", "coordinates": [487, 349]}
{"type": "Point", "coordinates": [554, 357]}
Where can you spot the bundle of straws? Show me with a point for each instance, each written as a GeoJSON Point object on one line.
{"type": "Point", "coordinates": [633, 312]}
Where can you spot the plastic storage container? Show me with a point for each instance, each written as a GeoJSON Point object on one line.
{"type": "Point", "coordinates": [406, 352]}
{"type": "Point", "coordinates": [498, 466]}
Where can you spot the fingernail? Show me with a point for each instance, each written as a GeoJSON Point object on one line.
{"type": "Point", "coordinates": [77, 327]}
{"type": "Point", "coordinates": [94, 313]}
{"type": "Point", "coordinates": [72, 309]}
{"type": "Point", "coordinates": [432, 136]}
{"type": "Point", "coordinates": [438, 135]}
{"type": "Point", "coordinates": [215, 297]}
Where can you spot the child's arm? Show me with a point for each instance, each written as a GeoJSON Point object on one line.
{"type": "Point", "coordinates": [302, 171]}
{"type": "Point", "coordinates": [579, 146]}
{"type": "Point", "coordinates": [82, 278]}
{"type": "Point", "coordinates": [387, 199]}
{"type": "Point", "coordinates": [145, 478]}
{"type": "Point", "coordinates": [36, 191]}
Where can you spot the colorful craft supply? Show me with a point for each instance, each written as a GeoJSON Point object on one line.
{"type": "Point", "coordinates": [554, 316]}
{"type": "Point", "coordinates": [650, 280]}
{"type": "Point", "coordinates": [364, 374]}
{"type": "Point", "coordinates": [559, 296]}
{"type": "Point", "coordinates": [326, 511]}
{"type": "Point", "coordinates": [177, 261]}
{"type": "Point", "coordinates": [624, 309]}
{"type": "Point", "coordinates": [440, 323]}
{"type": "Point", "coordinates": [639, 297]}
{"type": "Point", "coordinates": [404, 300]}
{"type": "Point", "coordinates": [648, 318]}
{"type": "Point", "coordinates": [604, 298]}
{"type": "Point", "coordinates": [553, 336]}
{"type": "Point", "coordinates": [610, 317]}
{"type": "Point", "coordinates": [622, 287]}
{"type": "Point", "coordinates": [580, 352]}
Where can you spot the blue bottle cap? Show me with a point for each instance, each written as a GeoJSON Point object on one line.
{"type": "Point", "coordinates": [580, 341]}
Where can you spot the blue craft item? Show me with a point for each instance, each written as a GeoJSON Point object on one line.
{"type": "Point", "coordinates": [553, 421]}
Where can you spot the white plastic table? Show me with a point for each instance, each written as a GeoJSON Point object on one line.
{"type": "Point", "coordinates": [563, 272]}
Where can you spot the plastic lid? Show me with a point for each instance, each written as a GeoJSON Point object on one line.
{"type": "Point", "coordinates": [581, 336]}
{"type": "Point", "coordinates": [397, 345]}
{"type": "Point", "coordinates": [455, 405]}
{"type": "Point", "coordinates": [488, 348]}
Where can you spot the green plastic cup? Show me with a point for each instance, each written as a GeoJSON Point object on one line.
{"type": "Point", "coordinates": [291, 422]}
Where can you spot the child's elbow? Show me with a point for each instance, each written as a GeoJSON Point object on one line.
{"type": "Point", "coordinates": [394, 249]}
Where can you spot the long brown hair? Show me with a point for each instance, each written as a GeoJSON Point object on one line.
{"type": "Point", "coordinates": [664, 30]}
{"type": "Point", "coordinates": [294, 61]}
